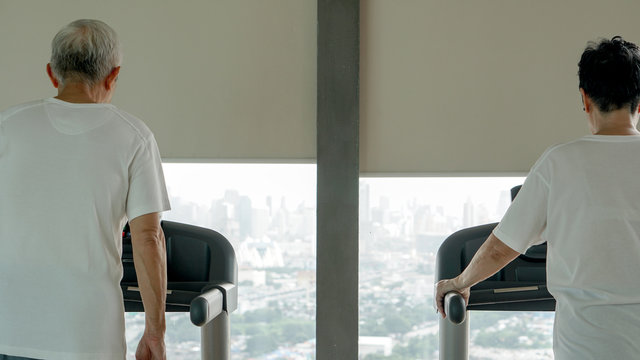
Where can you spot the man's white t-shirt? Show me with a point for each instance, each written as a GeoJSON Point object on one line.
{"type": "Point", "coordinates": [583, 198]}
{"type": "Point", "coordinates": [70, 177]}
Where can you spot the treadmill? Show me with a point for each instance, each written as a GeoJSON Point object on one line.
{"type": "Point", "coordinates": [519, 286]}
{"type": "Point", "coordinates": [202, 278]}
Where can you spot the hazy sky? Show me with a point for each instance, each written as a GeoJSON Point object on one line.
{"type": "Point", "coordinates": [448, 192]}
{"type": "Point", "coordinates": [201, 183]}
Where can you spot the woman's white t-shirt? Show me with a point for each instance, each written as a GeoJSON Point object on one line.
{"type": "Point", "coordinates": [583, 198]}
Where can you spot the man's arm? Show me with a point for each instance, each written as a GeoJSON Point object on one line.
{"type": "Point", "coordinates": [492, 256]}
{"type": "Point", "coordinates": [149, 256]}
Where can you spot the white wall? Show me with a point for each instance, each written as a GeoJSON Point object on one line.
{"type": "Point", "coordinates": [475, 86]}
{"type": "Point", "coordinates": [213, 79]}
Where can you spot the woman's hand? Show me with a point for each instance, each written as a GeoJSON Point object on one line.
{"type": "Point", "coordinates": [443, 287]}
{"type": "Point", "coordinates": [492, 256]}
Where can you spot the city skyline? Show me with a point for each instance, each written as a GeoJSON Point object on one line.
{"type": "Point", "coordinates": [402, 223]}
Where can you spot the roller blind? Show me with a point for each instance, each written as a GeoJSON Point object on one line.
{"type": "Point", "coordinates": [475, 86]}
{"type": "Point", "coordinates": [213, 79]}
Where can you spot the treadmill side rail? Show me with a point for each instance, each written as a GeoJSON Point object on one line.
{"type": "Point", "coordinates": [519, 286]}
{"type": "Point", "coordinates": [202, 273]}
{"type": "Point", "coordinates": [453, 339]}
{"type": "Point", "coordinates": [206, 307]}
{"type": "Point", "coordinates": [209, 312]}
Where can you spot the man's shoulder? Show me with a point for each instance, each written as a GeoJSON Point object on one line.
{"type": "Point", "coordinates": [15, 109]}
{"type": "Point", "coordinates": [133, 122]}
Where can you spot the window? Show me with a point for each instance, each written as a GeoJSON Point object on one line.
{"type": "Point", "coordinates": [403, 221]}
{"type": "Point", "coordinates": [267, 212]}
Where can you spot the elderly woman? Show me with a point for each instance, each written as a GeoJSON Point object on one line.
{"type": "Point", "coordinates": [583, 198]}
{"type": "Point", "coordinates": [73, 169]}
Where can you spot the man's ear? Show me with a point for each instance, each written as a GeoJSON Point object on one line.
{"type": "Point", "coordinates": [52, 77]}
{"type": "Point", "coordinates": [586, 101]}
{"type": "Point", "coordinates": [110, 80]}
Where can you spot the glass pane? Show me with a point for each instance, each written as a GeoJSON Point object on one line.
{"type": "Point", "coordinates": [403, 221]}
{"type": "Point", "coordinates": [267, 211]}
{"type": "Point", "coordinates": [510, 335]}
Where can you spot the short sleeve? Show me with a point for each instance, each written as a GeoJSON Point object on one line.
{"type": "Point", "coordinates": [526, 219]}
{"type": "Point", "coordinates": [147, 189]}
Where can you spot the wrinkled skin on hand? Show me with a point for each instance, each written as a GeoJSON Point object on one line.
{"type": "Point", "coordinates": [442, 288]}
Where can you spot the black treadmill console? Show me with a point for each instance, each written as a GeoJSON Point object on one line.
{"type": "Point", "coordinates": [198, 259]}
{"type": "Point", "coordinates": [519, 286]}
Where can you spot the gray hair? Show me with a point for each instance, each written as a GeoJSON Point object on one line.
{"type": "Point", "coordinates": [85, 51]}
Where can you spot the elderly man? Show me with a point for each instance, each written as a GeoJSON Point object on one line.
{"type": "Point", "coordinates": [583, 198]}
{"type": "Point", "coordinates": [73, 169]}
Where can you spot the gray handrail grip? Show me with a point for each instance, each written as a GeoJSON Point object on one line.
{"type": "Point", "coordinates": [455, 307]}
{"type": "Point", "coordinates": [206, 307]}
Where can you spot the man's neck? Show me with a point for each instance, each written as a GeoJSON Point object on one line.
{"type": "Point", "coordinates": [80, 93]}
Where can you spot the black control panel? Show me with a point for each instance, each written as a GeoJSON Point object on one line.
{"type": "Point", "coordinates": [519, 286]}
{"type": "Point", "coordinates": [190, 270]}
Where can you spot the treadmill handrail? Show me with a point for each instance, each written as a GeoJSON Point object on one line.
{"type": "Point", "coordinates": [206, 307]}
{"type": "Point", "coordinates": [455, 307]}
{"type": "Point", "coordinates": [209, 297]}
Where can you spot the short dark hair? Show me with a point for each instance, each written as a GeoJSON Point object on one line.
{"type": "Point", "coordinates": [609, 73]}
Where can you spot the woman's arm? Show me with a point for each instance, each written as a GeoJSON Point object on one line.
{"type": "Point", "coordinates": [492, 256]}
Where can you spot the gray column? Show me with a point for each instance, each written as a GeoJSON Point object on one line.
{"type": "Point", "coordinates": [338, 178]}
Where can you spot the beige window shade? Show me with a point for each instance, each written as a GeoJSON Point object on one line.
{"type": "Point", "coordinates": [213, 79]}
{"type": "Point", "coordinates": [446, 86]}
{"type": "Point", "coordinates": [475, 86]}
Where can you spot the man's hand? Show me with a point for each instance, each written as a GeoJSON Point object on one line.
{"type": "Point", "coordinates": [443, 287]}
{"type": "Point", "coordinates": [151, 348]}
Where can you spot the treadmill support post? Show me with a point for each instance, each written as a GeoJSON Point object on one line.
{"type": "Point", "coordinates": [454, 339]}
{"type": "Point", "coordinates": [215, 338]}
